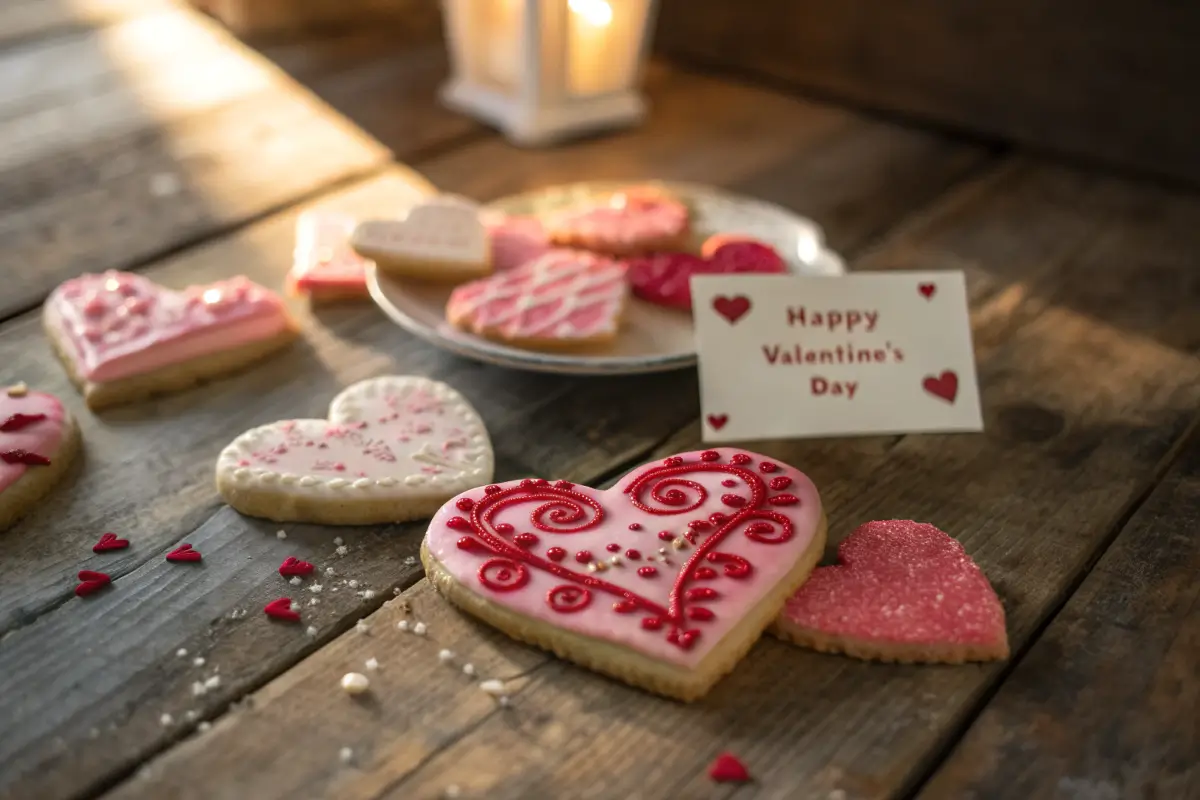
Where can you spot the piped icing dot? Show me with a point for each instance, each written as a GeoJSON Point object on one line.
{"type": "Point", "coordinates": [526, 540]}
{"type": "Point", "coordinates": [779, 483]}
{"type": "Point", "coordinates": [739, 459]}
{"type": "Point", "coordinates": [768, 467]}
{"type": "Point", "coordinates": [612, 547]}
{"type": "Point", "coordinates": [632, 554]}
{"type": "Point", "coordinates": [556, 554]}
{"type": "Point", "coordinates": [635, 526]}
{"type": "Point", "coordinates": [666, 536]}
{"type": "Point", "coordinates": [583, 556]}
{"type": "Point", "coordinates": [709, 455]}
{"type": "Point", "coordinates": [729, 483]}
{"type": "Point", "coordinates": [647, 572]}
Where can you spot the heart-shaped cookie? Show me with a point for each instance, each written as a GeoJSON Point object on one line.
{"type": "Point", "coordinates": [38, 440]}
{"type": "Point", "coordinates": [904, 591]}
{"type": "Point", "coordinates": [516, 241]}
{"type": "Point", "coordinates": [665, 278]}
{"type": "Point", "coordinates": [638, 220]}
{"type": "Point", "coordinates": [122, 337]}
{"type": "Point", "coordinates": [565, 298]}
{"type": "Point", "coordinates": [664, 580]}
{"type": "Point", "coordinates": [393, 449]}
{"type": "Point", "coordinates": [441, 239]}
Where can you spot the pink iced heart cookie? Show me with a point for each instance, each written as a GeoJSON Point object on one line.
{"type": "Point", "coordinates": [392, 449]}
{"type": "Point", "coordinates": [324, 265]}
{"type": "Point", "coordinates": [516, 241]}
{"type": "Point", "coordinates": [664, 581]}
{"type": "Point", "coordinates": [123, 337]}
{"type": "Point", "coordinates": [638, 220]}
{"type": "Point", "coordinates": [38, 440]}
{"type": "Point", "coordinates": [561, 299]}
{"type": "Point", "coordinates": [904, 591]}
{"type": "Point", "coordinates": [664, 278]}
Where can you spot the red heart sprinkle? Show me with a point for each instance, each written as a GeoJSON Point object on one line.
{"type": "Point", "coordinates": [25, 457]}
{"type": "Point", "coordinates": [18, 421]}
{"type": "Point", "coordinates": [728, 769]}
{"type": "Point", "coordinates": [717, 421]}
{"type": "Point", "coordinates": [927, 289]}
{"type": "Point", "coordinates": [91, 582]}
{"type": "Point", "coordinates": [184, 553]}
{"type": "Point", "coordinates": [281, 609]}
{"type": "Point", "coordinates": [294, 566]}
{"type": "Point", "coordinates": [731, 308]}
{"type": "Point", "coordinates": [944, 386]}
{"type": "Point", "coordinates": [109, 541]}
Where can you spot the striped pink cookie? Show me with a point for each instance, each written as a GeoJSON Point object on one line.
{"type": "Point", "coordinates": [562, 299]}
{"type": "Point", "coordinates": [639, 220]}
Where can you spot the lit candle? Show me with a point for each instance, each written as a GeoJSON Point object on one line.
{"type": "Point", "coordinates": [590, 32]}
{"type": "Point", "coordinates": [502, 41]}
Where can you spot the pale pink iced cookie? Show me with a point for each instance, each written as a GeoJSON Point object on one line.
{"type": "Point", "coordinates": [324, 265]}
{"type": "Point", "coordinates": [123, 337]}
{"type": "Point", "coordinates": [562, 299]}
{"type": "Point", "coordinates": [392, 449]}
{"type": "Point", "coordinates": [665, 278]}
{"type": "Point", "coordinates": [904, 591]}
{"type": "Point", "coordinates": [516, 241]}
{"type": "Point", "coordinates": [639, 220]}
{"type": "Point", "coordinates": [441, 239]}
{"type": "Point", "coordinates": [38, 441]}
{"type": "Point", "coordinates": [664, 581]}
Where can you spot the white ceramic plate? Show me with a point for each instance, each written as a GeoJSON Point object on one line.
{"type": "Point", "coordinates": [652, 338]}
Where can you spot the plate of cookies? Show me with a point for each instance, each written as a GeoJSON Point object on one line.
{"type": "Point", "coordinates": [585, 278]}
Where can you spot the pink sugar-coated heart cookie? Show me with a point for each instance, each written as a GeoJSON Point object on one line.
{"type": "Point", "coordinates": [638, 220]}
{"type": "Point", "coordinates": [123, 337]}
{"type": "Point", "coordinates": [562, 299]}
{"type": "Point", "coordinates": [904, 591]}
{"type": "Point", "coordinates": [393, 448]}
{"type": "Point", "coordinates": [664, 278]}
{"type": "Point", "coordinates": [516, 241]}
{"type": "Point", "coordinates": [324, 265]}
{"type": "Point", "coordinates": [663, 581]}
{"type": "Point", "coordinates": [38, 440]}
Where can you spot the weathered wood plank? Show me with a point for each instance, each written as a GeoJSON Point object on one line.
{"type": "Point", "coordinates": [1088, 380]}
{"type": "Point", "coordinates": [1107, 80]}
{"type": "Point", "coordinates": [1104, 704]}
{"type": "Point", "coordinates": [30, 20]}
{"type": "Point", "coordinates": [128, 141]}
{"type": "Point", "coordinates": [149, 467]}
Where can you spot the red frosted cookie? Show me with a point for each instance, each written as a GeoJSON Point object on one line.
{"type": "Point", "coordinates": [634, 221]}
{"type": "Point", "coordinates": [38, 440]}
{"type": "Point", "coordinates": [324, 265]}
{"type": "Point", "coordinates": [516, 241]}
{"type": "Point", "coordinates": [564, 298]}
{"type": "Point", "coordinates": [904, 591]}
{"type": "Point", "coordinates": [664, 278]}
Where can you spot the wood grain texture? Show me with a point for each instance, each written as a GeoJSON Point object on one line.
{"type": "Point", "coordinates": [1111, 80]}
{"type": "Point", "coordinates": [23, 21]}
{"type": "Point", "coordinates": [1089, 379]}
{"type": "Point", "coordinates": [124, 142]}
{"type": "Point", "coordinates": [1107, 697]}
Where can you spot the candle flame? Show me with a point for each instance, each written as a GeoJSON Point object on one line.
{"type": "Point", "coordinates": [594, 12]}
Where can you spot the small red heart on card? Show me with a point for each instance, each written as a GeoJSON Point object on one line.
{"type": "Point", "coordinates": [91, 582]}
{"type": "Point", "coordinates": [927, 289]}
{"type": "Point", "coordinates": [944, 386]}
{"type": "Point", "coordinates": [281, 609]}
{"type": "Point", "coordinates": [717, 421]}
{"type": "Point", "coordinates": [183, 553]}
{"type": "Point", "coordinates": [109, 541]}
{"type": "Point", "coordinates": [294, 566]}
{"type": "Point", "coordinates": [731, 308]}
{"type": "Point", "coordinates": [728, 769]}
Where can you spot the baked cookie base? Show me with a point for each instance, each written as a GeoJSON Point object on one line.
{"type": "Point", "coordinates": [281, 507]}
{"type": "Point", "coordinates": [890, 652]}
{"type": "Point", "coordinates": [429, 270]}
{"type": "Point", "coordinates": [36, 482]}
{"type": "Point", "coordinates": [623, 663]}
{"type": "Point", "coordinates": [173, 378]}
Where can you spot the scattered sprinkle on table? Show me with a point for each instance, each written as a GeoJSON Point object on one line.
{"type": "Point", "coordinates": [337, 540]}
{"type": "Point", "coordinates": [452, 791]}
{"type": "Point", "coordinates": [311, 631]}
{"type": "Point", "coordinates": [198, 689]}
{"type": "Point", "coordinates": [468, 669]}
{"type": "Point", "coordinates": [346, 755]}
{"type": "Point", "coordinates": [367, 594]}
{"type": "Point", "coordinates": [295, 580]}
{"type": "Point", "coordinates": [493, 687]}
{"type": "Point", "coordinates": [355, 683]}
{"type": "Point", "coordinates": [419, 629]}
{"type": "Point", "coordinates": [342, 550]}
{"type": "Point", "coordinates": [281, 534]}
{"type": "Point", "coordinates": [198, 661]}
{"type": "Point", "coordinates": [204, 726]}
{"type": "Point", "coordinates": [362, 627]}
{"type": "Point", "coordinates": [372, 664]}
{"type": "Point", "coordinates": [315, 588]}
{"type": "Point", "coordinates": [181, 653]}
{"type": "Point", "coordinates": [353, 584]}
{"type": "Point", "coordinates": [213, 682]}
{"type": "Point", "coordinates": [410, 561]}
{"type": "Point", "coordinates": [445, 656]}
{"type": "Point", "coordinates": [402, 625]}
{"type": "Point", "coordinates": [165, 720]}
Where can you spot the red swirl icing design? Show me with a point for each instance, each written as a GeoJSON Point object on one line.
{"type": "Point", "coordinates": [738, 554]}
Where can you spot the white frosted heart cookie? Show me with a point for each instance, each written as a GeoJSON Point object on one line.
{"type": "Point", "coordinates": [393, 449]}
{"type": "Point", "coordinates": [441, 239]}
{"type": "Point", "coordinates": [664, 581]}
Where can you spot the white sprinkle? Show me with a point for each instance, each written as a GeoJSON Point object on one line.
{"type": "Point", "coordinates": [342, 550]}
{"type": "Point", "coordinates": [451, 791]}
{"type": "Point", "coordinates": [191, 715]}
{"type": "Point", "coordinates": [346, 755]}
{"type": "Point", "coordinates": [419, 629]}
{"type": "Point", "coordinates": [355, 683]}
{"type": "Point", "coordinates": [362, 627]}
{"type": "Point", "coordinates": [396, 591]}
{"type": "Point", "coordinates": [315, 588]}
{"type": "Point", "coordinates": [198, 661]}
{"type": "Point", "coordinates": [410, 561]}
{"type": "Point", "coordinates": [181, 653]}
{"type": "Point", "coordinates": [295, 581]}
{"type": "Point", "coordinates": [372, 664]}
{"type": "Point", "coordinates": [166, 720]}
{"type": "Point", "coordinates": [493, 687]}
{"type": "Point", "coordinates": [204, 726]}
{"type": "Point", "coordinates": [352, 584]}
{"type": "Point", "coordinates": [334, 589]}
{"type": "Point", "coordinates": [165, 184]}
{"type": "Point", "coordinates": [329, 571]}
{"type": "Point", "coordinates": [367, 594]}
{"type": "Point", "coordinates": [338, 541]}
{"type": "Point", "coordinates": [280, 534]}
{"type": "Point", "coordinates": [312, 601]}
{"type": "Point", "coordinates": [445, 656]}
{"type": "Point", "coordinates": [213, 682]}
{"type": "Point", "coordinates": [198, 689]}
{"type": "Point", "coordinates": [402, 625]}
{"type": "Point", "coordinates": [504, 701]}
{"type": "Point", "coordinates": [615, 561]}
{"type": "Point", "coordinates": [468, 669]}
{"type": "Point", "coordinates": [662, 551]}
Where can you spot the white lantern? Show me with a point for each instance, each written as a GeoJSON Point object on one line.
{"type": "Point", "coordinates": [543, 70]}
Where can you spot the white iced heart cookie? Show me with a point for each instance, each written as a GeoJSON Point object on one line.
{"type": "Point", "coordinates": [442, 239]}
{"type": "Point", "coordinates": [393, 449]}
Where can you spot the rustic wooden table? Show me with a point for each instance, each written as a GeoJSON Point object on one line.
{"type": "Point", "coordinates": [135, 135]}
